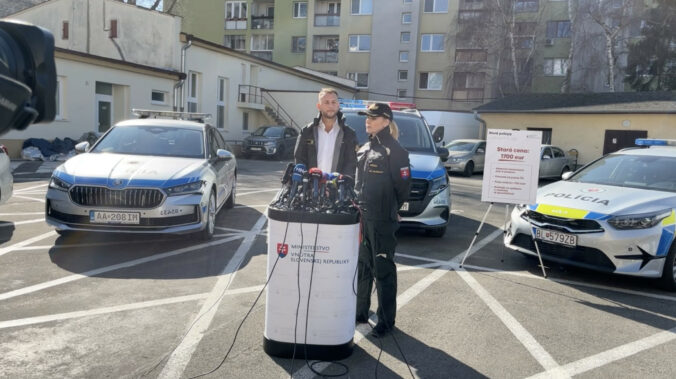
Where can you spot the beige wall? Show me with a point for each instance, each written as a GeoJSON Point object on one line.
{"type": "Point", "coordinates": [585, 132]}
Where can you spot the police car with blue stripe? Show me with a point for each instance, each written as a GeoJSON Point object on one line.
{"type": "Point", "coordinates": [616, 214]}
{"type": "Point", "coordinates": [429, 203]}
{"type": "Point", "coordinates": [147, 175]}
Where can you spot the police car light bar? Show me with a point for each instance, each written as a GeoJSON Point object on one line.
{"type": "Point", "coordinates": [363, 104]}
{"type": "Point", "coordinates": [655, 142]}
{"type": "Point", "coordinates": [190, 116]}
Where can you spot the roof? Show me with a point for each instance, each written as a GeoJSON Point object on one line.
{"type": "Point", "coordinates": [8, 8]}
{"type": "Point", "coordinates": [661, 151]}
{"type": "Point", "coordinates": [605, 102]}
{"type": "Point", "coordinates": [73, 54]}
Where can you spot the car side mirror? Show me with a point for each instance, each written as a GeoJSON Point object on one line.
{"type": "Point", "coordinates": [566, 175]}
{"type": "Point", "coordinates": [223, 155]}
{"type": "Point", "coordinates": [546, 157]}
{"type": "Point", "coordinates": [480, 151]}
{"type": "Point", "coordinates": [443, 153]}
{"type": "Point", "coordinates": [82, 147]}
{"type": "Point", "coordinates": [438, 134]}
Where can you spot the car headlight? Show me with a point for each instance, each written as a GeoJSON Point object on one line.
{"type": "Point", "coordinates": [638, 221]}
{"type": "Point", "coordinates": [270, 144]}
{"type": "Point", "coordinates": [59, 184]}
{"type": "Point", "coordinates": [194, 187]}
{"type": "Point", "coordinates": [438, 184]}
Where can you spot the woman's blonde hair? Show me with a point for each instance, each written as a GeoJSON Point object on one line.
{"type": "Point", "coordinates": [394, 129]}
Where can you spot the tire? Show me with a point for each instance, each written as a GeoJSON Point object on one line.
{"type": "Point", "coordinates": [469, 169]}
{"type": "Point", "coordinates": [208, 232]}
{"type": "Point", "coordinates": [668, 280]}
{"type": "Point", "coordinates": [437, 232]}
{"type": "Point", "coordinates": [230, 203]}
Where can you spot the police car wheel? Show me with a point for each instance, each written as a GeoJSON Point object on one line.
{"type": "Point", "coordinates": [231, 199]}
{"type": "Point", "coordinates": [469, 169]}
{"type": "Point", "coordinates": [668, 279]}
{"type": "Point", "coordinates": [208, 232]}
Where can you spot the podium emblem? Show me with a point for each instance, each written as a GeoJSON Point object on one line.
{"type": "Point", "coordinates": [282, 250]}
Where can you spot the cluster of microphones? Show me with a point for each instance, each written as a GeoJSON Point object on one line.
{"type": "Point", "coordinates": [315, 191]}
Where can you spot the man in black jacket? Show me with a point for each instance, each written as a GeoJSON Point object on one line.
{"type": "Point", "coordinates": [327, 143]}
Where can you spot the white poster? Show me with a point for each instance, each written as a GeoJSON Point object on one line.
{"type": "Point", "coordinates": [512, 166]}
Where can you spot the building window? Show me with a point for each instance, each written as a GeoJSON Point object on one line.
{"type": "Point", "coordinates": [526, 6]}
{"type": "Point", "coordinates": [262, 42]}
{"type": "Point", "coordinates": [406, 18]}
{"type": "Point", "coordinates": [558, 29]}
{"type": "Point", "coordinates": [405, 37]}
{"type": "Point", "coordinates": [112, 32]}
{"type": "Point", "coordinates": [298, 44]}
{"type": "Point", "coordinates": [555, 66]}
{"type": "Point", "coordinates": [431, 80]}
{"type": "Point", "coordinates": [361, 78]}
{"type": "Point", "coordinates": [300, 9]}
{"type": "Point", "coordinates": [235, 10]}
{"type": "Point", "coordinates": [245, 120]}
{"type": "Point", "coordinates": [158, 97]}
{"type": "Point", "coordinates": [64, 30]}
{"type": "Point", "coordinates": [436, 6]}
{"type": "Point", "coordinates": [468, 85]}
{"type": "Point", "coordinates": [432, 42]}
{"type": "Point", "coordinates": [362, 6]}
{"type": "Point", "coordinates": [237, 42]}
{"type": "Point", "coordinates": [193, 91]}
{"type": "Point", "coordinates": [403, 56]}
{"type": "Point", "coordinates": [471, 55]}
{"type": "Point", "coordinates": [524, 28]}
{"type": "Point", "coordinates": [402, 75]}
{"type": "Point", "coordinates": [220, 103]}
{"type": "Point", "coordinates": [401, 94]}
{"type": "Point", "coordinates": [360, 42]}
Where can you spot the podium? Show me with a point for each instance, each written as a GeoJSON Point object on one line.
{"type": "Point", "coordinates": [330, 316]}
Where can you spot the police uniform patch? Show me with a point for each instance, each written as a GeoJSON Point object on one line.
{"type": "Point", "coordinates": [405, 172]}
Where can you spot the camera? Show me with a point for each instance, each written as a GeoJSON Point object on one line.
{"type": "Point", "coordinates": [27, 75]}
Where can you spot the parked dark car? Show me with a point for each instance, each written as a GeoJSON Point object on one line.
{"type": "Point", "coordinates": [274, 141]}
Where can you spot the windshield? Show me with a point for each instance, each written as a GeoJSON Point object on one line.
{"type": "Point", "coordinates": [413, 133]}
{"type": "Point", "coordinates": [152, 140]}
{"type": "Point", "coordinates": [636, 171]}
{"type": "Point", "coordinates": [460, 146]}
{"type": "Point", "coordinates": [268, 131]}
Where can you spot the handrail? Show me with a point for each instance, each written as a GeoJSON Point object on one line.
{"type": "Point", "coordinates": [258, 95]}
{"type": "Point", "coordinates": [279, 109]}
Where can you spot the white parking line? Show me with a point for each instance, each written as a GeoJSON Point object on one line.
{"type": "Point", "coordinates": [23, 243]}
{"type": "Point", "coordinates": [7, 223]}
{"type": "Point", "coordinates": [22, 213]}
{"type": "Point", "coordinates": [252, 206]}
{"type": "Point", "coordinates": [101, 270]}
{"type": "Point", "coordinates": [90, 244]}
{"type": "Point", "coordinates": [30, 188]}
{"type": "Point", "coordinates": [182, 354]}
{"type": "Point", "coordinates": [258, 191]}
{"type": "Point", "coordinates": [28, 198]}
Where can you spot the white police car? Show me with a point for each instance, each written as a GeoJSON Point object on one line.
{"type": "Point", "coordinates": [145, 176]}
{"type": "Point", "coordinates": [429, 203]}
{"type": "Point", "coordinates": [616, 214]}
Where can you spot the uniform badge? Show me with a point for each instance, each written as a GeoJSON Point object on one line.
{"type": "Point", "coordinates": [405, 172]}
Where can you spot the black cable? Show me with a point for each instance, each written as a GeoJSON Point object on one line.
{"type": "Point", "coordinates": [295, 327]}
{"type": "Point", "coordinates": [247, 313]}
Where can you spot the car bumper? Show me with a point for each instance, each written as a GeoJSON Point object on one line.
{"type": "Point", "coordinates": [436, 214]}
{"type": "Point", "coordinates": [176, 215]}
{"type": "Point", "coordinates": [265, 150]}
{"type": "Point", "coordinates": [627, 252]}
{"type": "Point", "coordinates": [455, 166]}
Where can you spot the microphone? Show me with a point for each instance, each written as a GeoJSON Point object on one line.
{"type": "Point", "coordinates": [316, 175]}
{"type": "Point", "coordinates": [296, 179]}
{"type": "Point", "coordinates": [286, 178]}
{"type": "Point", "coordinates": [322, 186]}
{"type": "Point", "coordinates": [341, 188]}
{"type": "Point", "coordinates": [306, 185]}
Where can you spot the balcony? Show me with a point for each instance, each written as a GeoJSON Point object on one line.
{"type": "Point", "coordinates": [327, 19]}
{"type": "Point", "coordinates": [235, 23]}
{"type": "Point", "coordinates": [324, 56]}
{"type": "Point", "coordinates": [262, 22]}
{"type": "Point", "coordinates": [267, 55]}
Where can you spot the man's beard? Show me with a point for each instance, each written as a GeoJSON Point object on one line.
{"type": "Point", "coordinates": [326, 116]}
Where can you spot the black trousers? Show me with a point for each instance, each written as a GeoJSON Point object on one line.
{"type": "Point", "coordinates": [376, 259]}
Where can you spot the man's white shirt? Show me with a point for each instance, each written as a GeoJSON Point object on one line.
{"type": "Point", "coordinates": [326, 143]}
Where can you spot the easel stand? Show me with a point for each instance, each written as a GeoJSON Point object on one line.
{"type": "Point", "coordinates": [504, 232]}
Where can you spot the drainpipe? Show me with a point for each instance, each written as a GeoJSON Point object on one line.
{"type": "Point", "coordinates": [482, 129]}
{"type": "Point", "coordinates": [179, 87]}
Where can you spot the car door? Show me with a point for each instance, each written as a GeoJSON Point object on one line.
{"type": "Point", "coordinates": [560, 161]}
{"type": "Point", "coordinates": [290, 139]}
{"type": "Point", "coordinates": [230, 166]}
{"type": "Point", "coordinates": [546, 162]}
{"type": "Point", "coordinates": [219, 167]}
{"type": "Point", "coordinates": [480, 156]}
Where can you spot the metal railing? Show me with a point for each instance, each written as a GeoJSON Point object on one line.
{"type": "Point", "coordinates": [324, 56]}
{"type": "Point", "coordinates": [262, 22]}
{"type": "Point", "coordinates": [327, 19]}
{"type": "Point", "coordinates": [256, 95]}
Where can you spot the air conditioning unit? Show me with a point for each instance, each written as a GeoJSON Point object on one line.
{"type": "Point", "coordinates": [549, 42]}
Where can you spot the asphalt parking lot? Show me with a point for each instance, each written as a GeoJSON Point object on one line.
{"type": "Point", "coordinates": [93, 306]}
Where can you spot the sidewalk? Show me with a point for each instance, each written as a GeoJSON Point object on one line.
{"type": "Point", "coordinates": [23, 169]}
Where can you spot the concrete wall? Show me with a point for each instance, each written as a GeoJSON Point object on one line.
{"type": "Point", "coordinates": [585, 132]}
{"type": "Point", "coordinates": [144, 37]}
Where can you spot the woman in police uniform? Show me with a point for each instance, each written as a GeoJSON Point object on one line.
{"type": "Point", "coordinates": [382, 186]}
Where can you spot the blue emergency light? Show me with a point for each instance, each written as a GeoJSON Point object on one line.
{"type": "Point", "coordinates": [655, 142]}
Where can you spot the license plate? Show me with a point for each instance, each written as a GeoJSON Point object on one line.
{"type": "Point", "coordinates": [556, 237]}
{"type": "Point", "coordinates": [97, 217]}
{"type": "Point", "coordinates": [256, 148]}
{"type": "Point", "coordinates": [404, 207]}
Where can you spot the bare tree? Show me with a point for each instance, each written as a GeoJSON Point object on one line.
{"type": "Point", "coordinates": [573, 6]}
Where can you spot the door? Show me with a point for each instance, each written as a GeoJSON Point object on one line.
{"type": "Point", "coordinates": [290, 139]}
{"type": "Point", "coordinates": [619, 139]}
{"type": "Point", "coordinates": [225, 170]}
{"type": "Point", "coordinates": [104, 112]}
{"type": "Point", "coordinates": [546, 162]}
{"type": "Point", "coordinates": [480, 156]}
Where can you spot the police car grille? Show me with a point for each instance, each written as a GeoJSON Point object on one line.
{"type": "Point", "coordinates": [579, 255]}
{"type": "Point", "coordinates": [141, 198]}
{"type": "Point", "coordinates": [418, 189]}
{"type": "Point", "coordinates": [575, 225]}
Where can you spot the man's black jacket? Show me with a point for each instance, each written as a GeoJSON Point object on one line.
{"type": "Point", "coordinates": [344, 153]}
